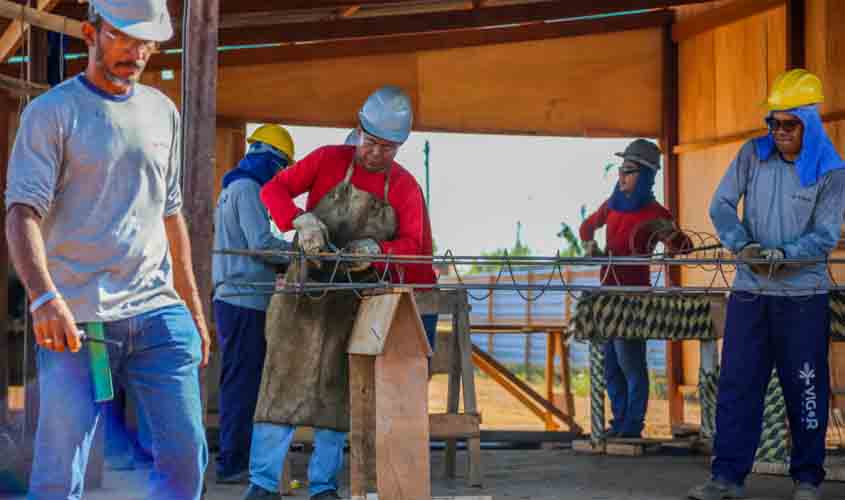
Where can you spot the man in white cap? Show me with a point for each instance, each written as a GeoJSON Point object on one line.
{"type": "Point", "coordinates": [96, 234]}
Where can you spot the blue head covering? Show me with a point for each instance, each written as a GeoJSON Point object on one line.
{"type": "Point", "coordinates": [817, 156]}
{"type": "Point", "coordinates": [261, 163]}
{"type": "Point", "coordinates": [643, 193]}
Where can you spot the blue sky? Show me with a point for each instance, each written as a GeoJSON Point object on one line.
{"type": "Point", "coordinates": [481, 185]}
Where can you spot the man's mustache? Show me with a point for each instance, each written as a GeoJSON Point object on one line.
{"type": "Point", "coordinates": [132, 64]}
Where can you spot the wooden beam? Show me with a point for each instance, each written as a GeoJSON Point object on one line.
{"type": "Point", "coordinates": [432, 22]}
{"type": "Point", "coordinates": [199, 113]}
{"type": "Point", "coordinates": [796, 17]}
{"type": "Point", "coordinates": [721, 16]}
{"type": "Point", "coordinates": [349, 11]}
{"type": "Point", "coordinates": [10, 40]}
{"type": "Point", "coordinates": [36, 17]}
{"type": "Point", "coordinates": [21, 88]}
{"type": "Point", "coordinates": [421, 42]}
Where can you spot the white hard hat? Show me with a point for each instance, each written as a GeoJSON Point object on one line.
{"type": "Point", "coordinates": [142, 19]}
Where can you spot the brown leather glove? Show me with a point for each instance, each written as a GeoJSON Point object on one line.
{"type": "Point", "coordinates": [592, 249]}
{"type": "Point", "coordinates": [754, 251]}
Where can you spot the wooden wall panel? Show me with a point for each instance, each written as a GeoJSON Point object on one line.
{"type": "Point", "coordinates": [826, 49]}
{"type": "Point", "coordinates": [699, 175]}
{"type": "Point", "coordinates": [593, 85]}
{"type": "Point", "coordinates": [697, 88]}
{"type": "Point", "coordinates": [323, 92]}
{"type": "Point", "coordinates": [741, 74]}
{"type": "Point", "coordinates": [598, 85]}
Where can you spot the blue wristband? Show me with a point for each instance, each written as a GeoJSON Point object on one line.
{"type": "Point", "coordinates": [43, 299]}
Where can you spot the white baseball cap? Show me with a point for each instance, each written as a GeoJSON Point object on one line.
{"type": "Point", "coordinates": [142, 19]}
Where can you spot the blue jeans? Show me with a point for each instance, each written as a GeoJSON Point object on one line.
{"type": "Point", "coordinates": [627, 385]}
{"type": "Point", "coordinates": [158, 363]}
{"type": "Point", "coordinates": [791, 334]}
{"type": "Point", "coordinates": [242, 346]}
{"type": "Point", "coordinates": [120, 440]}
{"type": "Point", "coordinates": [270, 444]}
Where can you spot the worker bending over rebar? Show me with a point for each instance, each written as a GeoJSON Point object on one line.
{"type": "Point", "coordinates": [362, 202]}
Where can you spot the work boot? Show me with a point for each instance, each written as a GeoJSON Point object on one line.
{"type": "Point", "coordinates": [806, 491]}
{"type": "Point", "coordinates": [326, 495]}
{"type": "Point", "coordinates": [257, 492]}
{"type": "Point", "coordinates": [716, 489]}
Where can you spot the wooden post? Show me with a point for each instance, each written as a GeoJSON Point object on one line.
{"type": "Point", "coordinates": [200, 19]}
{"type": "Point", "coordinates": [796, 16]}
{"type": "Point", "coordinates": [550, 374]}
{"type": "Point", "coordinates": [362, 437]}
{"type": "Point", "coordinates": [669, 140]}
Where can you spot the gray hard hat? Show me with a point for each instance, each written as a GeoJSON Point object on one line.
{"type": "Point", "coordinates": [387, 114]}
{"type": "Point", "coordinates": [643, 152]}
{"type": "Point", "coordinates": [141, 19]}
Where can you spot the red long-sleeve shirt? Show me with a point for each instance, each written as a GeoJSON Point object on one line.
{"type": "Point", "coordinates": [627, 234]}
{"type": "Point", "coordinates": [322, 170]}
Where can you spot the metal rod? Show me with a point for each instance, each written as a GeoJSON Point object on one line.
{"type": "Point", "coordinates": [86, 338]}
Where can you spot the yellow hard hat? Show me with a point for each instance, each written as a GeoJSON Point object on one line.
{"type": "Point", "coordinates": [794, 89]}
{"type": "Point", "coordinates": [276, 136]}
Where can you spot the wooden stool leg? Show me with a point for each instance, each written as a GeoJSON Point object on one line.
{"type": "Point", "coordinates": [453, 395]}
{"type": "Point", "coordinates": [362, 404]}
{"type": "Point", "coordinates": [284, 483]}
{"type": "Point", "coordinates": [468, 379]}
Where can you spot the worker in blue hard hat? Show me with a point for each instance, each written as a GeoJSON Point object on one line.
{"type": "Point", "coordinates": [96, 234]}
{"type": "Point", "coordinates": [362, 201]}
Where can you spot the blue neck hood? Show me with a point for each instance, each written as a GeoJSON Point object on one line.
{"type": "Point", "coordinates": [817, 156]}
{"type": "Point", "coordinates": [259, 164]}
{"type": "Point", "coordinates": [643, 193]}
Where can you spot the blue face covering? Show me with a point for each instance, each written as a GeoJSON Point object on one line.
{"type": "Point", "coordinates": [643, 193]}
{"type": "Point", "coordinates": [817, 156]}
{"type": "Point", "coordinates": [260, 164]}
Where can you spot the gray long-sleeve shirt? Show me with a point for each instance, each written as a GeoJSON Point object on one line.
{"type": "Point", "coordinates": [778, 212]}
{"type": "Point", "coordinates": [241, 222]}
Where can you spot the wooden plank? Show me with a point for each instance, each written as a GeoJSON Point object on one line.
{"type": "Point", "coordinates": [362, 408]}
{"type": "Point", "coordinates": [741, 75]}
{"type": "Point", "coordinates": [453, 395]}
{"type": "Point", "coordinates": [490, 366]}
{"type": "Point", "coordinates": [414, 42]}
{"type": "Point", "coordinates": [697, 89]}
{"type": "Point", "coordinates": [402, 433]}
{"type": "Point", "coordinates": [674, 375]}
{"type": "Point", "coordinates": [372, 325]}
{"type": "Point", "coordinates": [425, 22]}
{"type": "Point", "coordinates": [586, 446]}
{"type": "Point", "coordinates": [44, 20]}
{"type": "Point", "coordinates": [778, 44]}
{"type": "Point", "coordinates": [451, 426]}
{"type": "Point", "coordinates": [462, 333]}
{"type": "Point", "coordinates": [464, 89]}
{"type": "Point", "coordinates": [727, 14]}
{"type": "Point", "coordinates": [11, 38]}
{"type": "Point", "coordinates": [568, 403]}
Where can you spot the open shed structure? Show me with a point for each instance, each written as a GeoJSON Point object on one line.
{"type": "Point", "coordinates": [691, 74]}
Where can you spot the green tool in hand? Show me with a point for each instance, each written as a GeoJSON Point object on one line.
{"type": "Point", "coordinates": [98, 360]}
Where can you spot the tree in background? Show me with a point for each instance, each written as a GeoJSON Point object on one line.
{"type": "Point", "coordinates": [519, 249]}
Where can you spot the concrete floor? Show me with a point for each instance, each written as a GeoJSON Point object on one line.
{"type": "Point", "coordinates": [556, 474]}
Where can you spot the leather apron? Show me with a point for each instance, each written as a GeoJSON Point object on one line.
{"type": "Point", "coordinates": [306, 369]}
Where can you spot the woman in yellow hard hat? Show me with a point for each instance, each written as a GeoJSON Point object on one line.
{"type": "Point", "coordinates": [792, 186]}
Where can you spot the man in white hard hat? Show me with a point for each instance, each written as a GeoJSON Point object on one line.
{"type": "Point", "coordinates": [241, 222]}
{"type": "Point", "coordinates": [96, 234]}
{"type": "Point", "coordinates": [361, 200]}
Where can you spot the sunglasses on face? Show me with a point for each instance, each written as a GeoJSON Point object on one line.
{"type": "Point", "coordinates": [628, 171]}
{"type": "Point", "coordinates": [787, 126]}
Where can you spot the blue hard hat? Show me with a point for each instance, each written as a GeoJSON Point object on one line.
{"type": "Point", "coordinates": [353, 138]}
{"type": "Point", "coordinates": [141, 19]}
{"type": "Point", "coordinates": [387, 114]}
